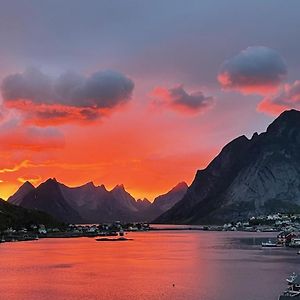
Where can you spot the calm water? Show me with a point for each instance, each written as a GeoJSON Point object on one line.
{"type": "Point", "coordinates": [201, 265]}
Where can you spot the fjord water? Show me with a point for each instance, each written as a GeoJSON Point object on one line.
{"type": "Point", "coordinates": [162, 265]}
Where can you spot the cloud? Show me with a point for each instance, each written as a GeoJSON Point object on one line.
{"type": "Point", "coordinates": [258, 70]}
{"type": "Point", "coordinates": [32, 180]}
{"type": "Point", "coordinates": [14, 137]}
{"type": "Point", "coordinates": [287, 97]}
{"type": "Point", "coordinates": [69, 98]}
{"type": "Point", "coordinates": [17, 167]}
{"type": "Point", "coordinates": [179, 100]}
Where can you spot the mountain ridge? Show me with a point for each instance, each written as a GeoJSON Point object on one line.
{"type": "Point", "coordinates": [248, 177]}
{"type": "Point", "coordinates": [89, 203]}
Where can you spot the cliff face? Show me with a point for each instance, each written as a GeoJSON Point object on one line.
{"type": "Point", "coordinates": [248, 177]}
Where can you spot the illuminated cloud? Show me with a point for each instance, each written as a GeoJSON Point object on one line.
{"type": "Point", "coordinates": [179, 100]}
{"type": "Point", "coordinates": [16, 167]}
{"type": "Point", "coordinates": [69, 98]}
{"type": "Point", "coordinates": [288, 97]}
{"type": "Point", "coordinates": [258, 70]}
{"type": "Point", "coordinates": [14, 136]}
{"type": "Point", "coordinates": [34, 180]}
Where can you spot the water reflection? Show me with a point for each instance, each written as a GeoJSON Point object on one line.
{"type": "Point", "coordinates": [155, 265]}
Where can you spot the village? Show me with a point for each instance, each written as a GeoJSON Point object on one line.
{"type": "Point", "coordinates": [35, 232]}
{"type": "Point", "coordinates": [286, 225]}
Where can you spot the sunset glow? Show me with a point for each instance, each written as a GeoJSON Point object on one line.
{"type": "Point", "coordinates": [144, 103]}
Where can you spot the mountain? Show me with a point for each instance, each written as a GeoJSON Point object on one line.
{"type": "Point", "coordinates": [21, 193]}
{"type": "Point", "coordinates": [164, 202]}
{"type": "Point", "coordinates": [18, 217]}
{"type": "Point", "coordinates": [48, 197]}
{"type": "Point", "coordinates": [92, 204]}
{"type": "Point", "coordinates": [249, 177]}
{"type": "Point", "coordinates": [89, 201]}
{"type": "Point", "coordinates": [95, 204]}
{"type": "Point", "coordinates": [143, 204]}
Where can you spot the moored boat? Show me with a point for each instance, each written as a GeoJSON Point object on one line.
{"type": "Point", "coordinates": [295, 243]}
{"type": "Point", "coordinates": [270, 244]}
{"type": "Point", "coordinates": [293, 290]}
{"type": "Point", "coordinates": [113, 239]}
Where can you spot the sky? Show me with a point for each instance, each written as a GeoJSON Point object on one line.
{"type": "Point", "coordinates": [135, 92]}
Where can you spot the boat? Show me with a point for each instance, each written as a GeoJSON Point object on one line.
{"type": "Point", "coordinates": [119, 239]}
{"type": "Point", "coordinates": [295, 243]}
{"type": "Point", "coordinates": [270, 244]}
{"type": "Point", "coordinates": [293, 290]}
{"type": "Point", "coordinates": [298, 252]}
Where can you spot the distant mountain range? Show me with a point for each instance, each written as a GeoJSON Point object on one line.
{"type": "Point", "coordinates": [249, 177]}
{"type": "Point", "coordinates": [93, 204]}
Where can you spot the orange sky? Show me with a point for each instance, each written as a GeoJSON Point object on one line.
{"type": "Point", "coordinates": [142, 93]}
{"type": "Point", "coordinates": [148, 152]}
{"type": "Point", "coordinates": [148, 149]}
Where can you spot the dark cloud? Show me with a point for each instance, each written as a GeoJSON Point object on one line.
{"type": "Point", "coordinates": [253, 70]}
{"type": "Point", "coordinates": [103, 89]}
{"type": "Point", "coordinates": [287, 97]}
{"type": "Point", "coordinates": [178, 99]}
{"type": "Point", "coordinates": [51, 114]}
{"type": "Point", "coordinates": [67, 97]}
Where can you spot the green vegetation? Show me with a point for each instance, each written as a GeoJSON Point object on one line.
{"type": "Point", "coordinates": [18, 217]}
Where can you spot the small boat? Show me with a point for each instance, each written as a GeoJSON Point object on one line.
{"type": "Point", "coordinates": [295, 243]}
{"type": "Point", "coordinates": [293, 290]}
{"type": "Point", "coordinates": [270, 244]}
{"type": "Point", "coordinates": [298, 252]}
{"type": "Point", "coordinates": [119, 239]}
{"type": "Point", "coordinates": [113, 240]}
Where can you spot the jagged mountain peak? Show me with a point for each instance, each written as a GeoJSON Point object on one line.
{"type": "Point", "coordinates": [89, 185]}
{"type": "Point", "coordinates": [51, 181]}
{"type": "Point", "coordinates": [119, 187]}
{"type": "Point", "coordinates": [145, 200]}
{"type": "Point", "coordinates": [23, 190]}
{"type": "Point", "coordinates": [287, 123]}
{"type": "Point", "coordinates": [180, 186]}
{"type": "Point", "coordinates": [27, 184]}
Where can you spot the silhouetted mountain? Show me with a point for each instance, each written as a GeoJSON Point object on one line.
{"type": "Point", "coordinates": [96, 204]}
{"type": "Point", "coordinates": [48, 197]}
{"type": "Point", "coordinates": [18, 217]}
{"type": "Point", "coordinates": [92, 204]}
{"type": "Point", "coordinates": [21, 193]}
{"type": "Point", "coordinates": [164, 202]}
{"type": "Point", "coordinates": [143, 204]}
{"type": "Point", "coordinates": [248, 178]}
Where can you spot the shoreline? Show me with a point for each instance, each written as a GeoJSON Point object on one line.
{"type": "Point", "coordinates": [6, 238]}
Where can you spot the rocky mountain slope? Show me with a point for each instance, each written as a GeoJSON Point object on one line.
{"type": "Point", "coordinates": [249, 177]}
